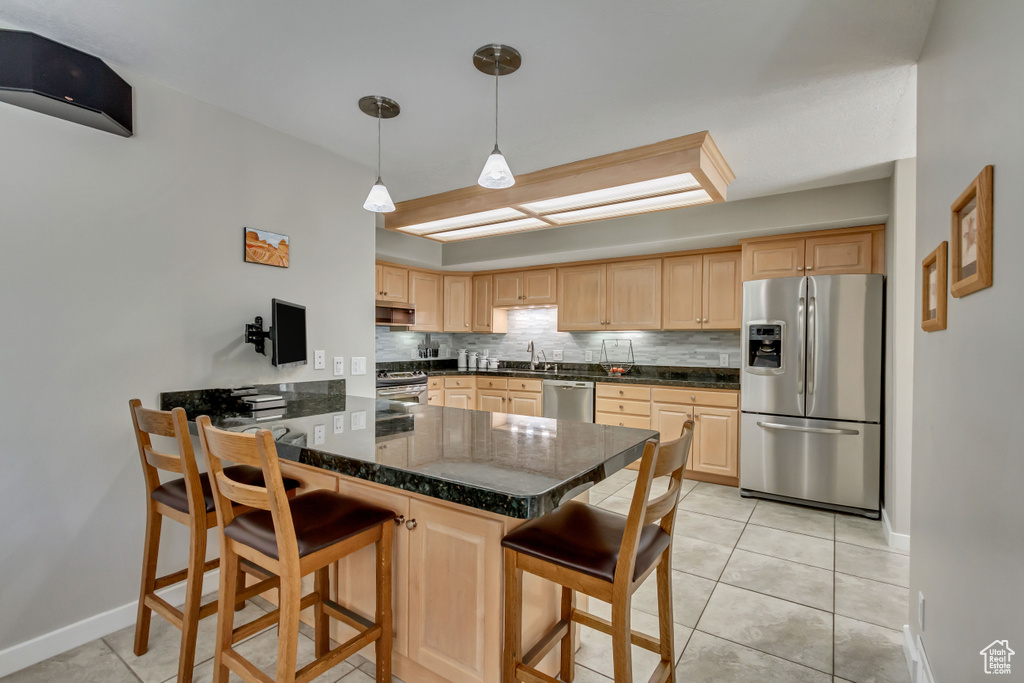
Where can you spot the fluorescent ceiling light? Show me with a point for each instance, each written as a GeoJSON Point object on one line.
{"type": "Point", "coordinates": [658, 186]}
{"type": "Point", "coordinates": [490, 230]}
{"type": "Point", "coordinates": [671, 201]}
{"type": "Point", "coordinates": [469, 219]}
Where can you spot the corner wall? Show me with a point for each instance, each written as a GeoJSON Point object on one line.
{"type": "Point", "coordinates": [968, 547]}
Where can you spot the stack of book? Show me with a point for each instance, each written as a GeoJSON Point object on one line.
{"type": "Point", "coordinates": [265, 406]}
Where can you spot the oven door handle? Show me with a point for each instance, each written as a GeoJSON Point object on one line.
{"type": "Point", "coordinates": [393, 391]}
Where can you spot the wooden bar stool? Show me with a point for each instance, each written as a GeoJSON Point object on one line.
{"type": "Point", "coordinates": [292, 538]}
{"type": "Point", "coordinates": [604, 555]}
{"type": "Point", "coordinates": [189, 501]}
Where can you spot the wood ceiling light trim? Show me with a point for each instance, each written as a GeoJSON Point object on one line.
{"type": "Point", "coordinates": [696, 154]}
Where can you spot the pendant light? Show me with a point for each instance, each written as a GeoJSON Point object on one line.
{"type": "Point", "coordinates": [379, 200]}
{"type": "Point", "coordinates": [499, 60]}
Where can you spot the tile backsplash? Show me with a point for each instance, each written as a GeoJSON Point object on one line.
{"type": "Point", "coordinates": [682, 348]}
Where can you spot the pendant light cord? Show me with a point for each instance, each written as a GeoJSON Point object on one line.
{"type": "Point", "coordinates": [378, 137]}
{"type": "Point", "coordinates": [496, 102]}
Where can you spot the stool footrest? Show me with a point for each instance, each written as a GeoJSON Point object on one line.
{"type": "Point", "coordinates": [338, 654]}
{"type": "Point", "coordinates": [257, 588]}
{"type": "Point", "coordinates": [604, 626]}
{"type": "Point", "coordinates": [164, 609]}
{"type": "Point", "coordinates": [342, 613]}
{"type": "Point", "coordinates": [546, 642]}
{"type": "Point", "coordinates": [242, 666]}
{"type": "Point", "coordinates": [175, 577]}
{"type": "Point", "coordinates": [528, 675]}
{"type": "Point", "coordinates": [661, 672]}
{"type": "Point", "coordinates": [268, 619]}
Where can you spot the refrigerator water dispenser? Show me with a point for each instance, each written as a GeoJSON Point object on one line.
{"type": "Point", "coordinates": [764, 347]}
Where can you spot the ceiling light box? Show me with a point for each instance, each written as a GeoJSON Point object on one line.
{"type": "Point", "coordinates": [665, 175]}
{"type": "Point", "coordinates": [42, 75]}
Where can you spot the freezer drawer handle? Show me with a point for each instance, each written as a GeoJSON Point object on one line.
{"type": "Point", "coordinates": [812, 430]}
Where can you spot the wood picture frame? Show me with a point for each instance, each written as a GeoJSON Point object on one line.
{"type": "Point", "coordinates": [971, 241]}
{"type": "Point", "coordinates": [933, 289]}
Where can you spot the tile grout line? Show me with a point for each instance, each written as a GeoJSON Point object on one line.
{"type": "Point", "coordinates": [120, 658]}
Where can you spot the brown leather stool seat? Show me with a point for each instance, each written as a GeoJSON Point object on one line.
{"type": "Point", "coordinates": [172, 494]}
{"type": "Point", "coordinates": [586, 539]}
{"type": "Point", "coordinates": [321, 519]}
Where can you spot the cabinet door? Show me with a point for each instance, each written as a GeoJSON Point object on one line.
{"type": "Point", "coordinates": [455, 593]}
{"type": "Point", "coordinates": [435, 397]}
{"type": "Point", "coordinates": [458, 303]}
{"type": "Point", "coordinates": [540, 287]}
{"type": "Point", "coordinates": [355, 573]}
{"type": "Point", "coordinates": [491, 401]}
{"type": "Point", "coordinates": [379, 282]}
{"type": "Point", "coordinates": [460, 398]}
{"type": "Point", "coordinates": [394, 452]}
{"type": "Point", "coordinates": [777, 258]}
{"type": "Point", "coordinates": [581, 289]}
{"type": "Point", "coordinates": [525, 403]}
{"type": "Point", "coordinates": [682, 292]}
{"type": "Point", "coordinates": [394, 284]}
{"type": "Point", "coordinates": [723, 292]}
{"type": "Point", "coordinates": [668, 418]}
{"type": "Point", "coordinates": [839, 254]}
{"type": "Point", "coordinates": [715, 441]}
{"type": "Point", "coordinates": [508, 289]}
{"type": "Point", "coordinates": [425, 294]}
{"type": "Point", "coordinates": [482, 307]}
{"type": "Point", "coordinates": [634, 295]}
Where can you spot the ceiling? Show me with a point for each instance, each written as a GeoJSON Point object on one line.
{"type": "Point", "coordinates": [797, 93]}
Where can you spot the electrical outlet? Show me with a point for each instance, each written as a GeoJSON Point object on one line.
{"type": "Point", "coordinates": [723, 359]}
{"type": "Point", "coordinates": [359, 419]}
{"type": "Point", "coordinates": [589, 356]}
{"type": "Point", "coordinates": [339, 366]}
{"type": "Point", "coordinates": [920, 610]}
{"type": "Point", "coordinates": [359, 365]}
{"type": "Point", "coordinates": [318, 434]}
{"type": "Point", "coordinates": [339, 423]}
{"type": "Point", "coordinates": [557, 354]}
{"type": "Point", "coordinates": [319, 360]}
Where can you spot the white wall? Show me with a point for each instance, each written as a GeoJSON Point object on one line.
{"type": "Point", "coordinates": [408, 250]}
{"type": "Point", "coordinates": [968, 502]}
{"type": "Point", "coordinates": [123, 277]}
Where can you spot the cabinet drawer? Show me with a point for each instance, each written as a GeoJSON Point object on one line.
{"type": "Point", "coordinates": [622, 420]}
{"type": "Point", "coordinates": [435, 383]}
{"type": "Point", "coordinates": [466, 382]}
{"type": "Point", "coordinates": [520, 384]}
{"type": "Point", "coordinates": [492, 383]}
{"type": "Point", "coordinates": [617, 407]}
{"type": "Point", "coordinates": [626, 391]}
{"type": "Point", "coordinates": [702, 397]}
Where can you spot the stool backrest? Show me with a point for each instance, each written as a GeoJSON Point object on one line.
{"type": "Point", "coordinates": [256, 450]}
{"type": "Point", "coordinates": [667, 459]}
{"type": "Point", "coordinates": [172, 424]}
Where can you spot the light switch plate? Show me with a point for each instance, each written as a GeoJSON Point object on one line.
{"type": "Point", "coordinates": [589, 356]}
{"type": "Point", "coordinates": [339, 423]}
{"type": "Point", "coordinates": [318, 434]}
{"type": "Point", "coordinates": [359, 365]}
{"type": "Point", "coordinates": [920, 610]}
{"type": "Point", "coordinates": [723, 359]}
{"type": "Point", "coordinates": [339, 366]}
{"type": "Point", "coordinates": [319, 360]}
{"type": "Point", "coordinates": [557, 354]}
{"type": "Point", "coordinates": [359, 420]}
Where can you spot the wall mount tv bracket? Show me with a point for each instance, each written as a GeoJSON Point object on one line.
{"type": "Point", "coordinates": [254, 334]}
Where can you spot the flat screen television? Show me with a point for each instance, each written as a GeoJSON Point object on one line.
{"type": "Point", "coordinates": [288, 332]}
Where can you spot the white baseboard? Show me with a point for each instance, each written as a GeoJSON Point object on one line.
{"type": "Point", "coordinates": [895, 540]}
{"type": "Point", "coordinates": [48, 645]}
{"type": "Point", "coordinates": [917, 660]}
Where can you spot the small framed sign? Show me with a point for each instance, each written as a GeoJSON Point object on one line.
{"type": "Point", "coordinates": [933, 290]}
{"type": "Point", "coordinates": [268, 248]}
{"type": "Point", "coordinates": [971, 241]}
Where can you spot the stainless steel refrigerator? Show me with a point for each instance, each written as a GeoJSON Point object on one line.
{"type": "Point", "coordinates": [812, 391]}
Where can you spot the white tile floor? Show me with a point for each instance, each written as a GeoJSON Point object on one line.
{"type": "Point", "coordinates": [762, 592]}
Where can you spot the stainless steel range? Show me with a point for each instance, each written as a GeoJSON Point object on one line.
{"type": "Point", "coordinates": [408, 387]}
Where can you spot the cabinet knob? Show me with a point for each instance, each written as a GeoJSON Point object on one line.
{"type": "Point", "coordinates": [698, 319]}
{"type": "Point", "coordinates": [621, 392]}
{"type": "Point", "coordinates": [810, 267]}
{"type": "Point", "coordinates": [621, 425]}
{"type": "Point", "coordinates": [399, 520]}
{"type": "Point", "coordinates": [620, 407]}
{"type": "Point", "coordinates": [693, 398]}
{"type": "Point", "coordinates": [467, 324]}
{"type": "Point", "coordinates": [799, 267]}
{"type": "Point", "coordinates": [411, 524]}
{"type": "Point", "coordinates": [705, 319]}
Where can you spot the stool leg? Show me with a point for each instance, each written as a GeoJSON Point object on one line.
{"type": "Point", "coordinates": [241, 584]}
{"type": "Point", "coordinates": [513, 617]}
{"type": "Point", "coordinates": [193, 601]}
{"type": "Point", "coordinates": [288, 624]}
{"type": "Point", "coordinates": [150, 551]}
{"type": "Point", "coordinates": [225, 609]}
{"type": "Point", "coordinates": [665, 623]}
{"type": "Point", "coordinates": [382, 647]}
{"type": "Point", "coordinates": [622, 654]}
{"type": "Point", "coordinates": [568, 667]}
{"type": "Point", "coordinates": [321, 619]}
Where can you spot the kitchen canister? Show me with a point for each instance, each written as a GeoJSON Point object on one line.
{"type": "Point", "coordinates": [492, 363]}
{"type": "Point", "coordinates": [462, 359]}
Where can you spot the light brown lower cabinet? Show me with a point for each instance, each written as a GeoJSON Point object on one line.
{"type": "Point", "coordinates": [525, 403]}
{"type": "Point", "coordinates": [716, 436]}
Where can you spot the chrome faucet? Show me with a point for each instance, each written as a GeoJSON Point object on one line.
{"type": "Point", "coordinates": [547, 366]}
{"type": "Point", "coordinates": [533, 356]}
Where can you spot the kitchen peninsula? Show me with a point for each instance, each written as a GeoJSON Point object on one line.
{"type": "Point", "coordinates": [459, 480]}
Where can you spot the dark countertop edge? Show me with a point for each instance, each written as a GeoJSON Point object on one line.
{"type": "Point", "coordinates": [571, 377]}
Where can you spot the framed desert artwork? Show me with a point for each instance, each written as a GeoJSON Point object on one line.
{"type": "Point", "coordinates": [268, 248]}
{"type": "Point", "coordinates": [971, 242]}
{"type": "Point", "coordinates": [933, 290]}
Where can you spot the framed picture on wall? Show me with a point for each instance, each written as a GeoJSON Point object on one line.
{"type": "Point", "coordinates": [971, 241]}
{"type": "Point", "coordinates": [933, 290]}
{"type": "Point", "coordinates": [268, 248]}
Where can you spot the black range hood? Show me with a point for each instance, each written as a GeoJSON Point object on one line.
{"type": "Point", "coordinates": [42, 75]}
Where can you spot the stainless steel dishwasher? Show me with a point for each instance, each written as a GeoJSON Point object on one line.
{"type": "Point", "coordinates": [569, 400]}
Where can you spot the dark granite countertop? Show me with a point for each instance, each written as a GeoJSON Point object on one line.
{"type": "Point", "coordinates": [511, 465]}
{"type": "Point", "coordinates": [695, 377]}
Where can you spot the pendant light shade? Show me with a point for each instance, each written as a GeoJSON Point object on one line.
{"type": "Point", "coordinates": [499, 60]}
{"type": "Point", "coordinates": [379, 199]}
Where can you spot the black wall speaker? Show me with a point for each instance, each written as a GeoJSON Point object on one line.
{"type": "Point", "coordinates": [39, 74]}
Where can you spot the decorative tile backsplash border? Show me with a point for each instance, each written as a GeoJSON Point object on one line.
{"type": "Point", "coordinates": [682, 348]}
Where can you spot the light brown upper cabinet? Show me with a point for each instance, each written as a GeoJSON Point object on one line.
{"type": "Point", "coordinates": [827, 252]}
{"type": "Point", "coordinates": [392, 284]}
{"type": "Point", "coordinates": [425, 294]}
{"type": "Point", "coordinates": [458, 303]}
{"type": "Point", "coordinates": [703, 292]}
{"type": "Point", "coordinates": [622, 295]}
{"type": "Point", "coordinates": [525, 288]}
{"type": "Point", "coordinates": [486, 318]}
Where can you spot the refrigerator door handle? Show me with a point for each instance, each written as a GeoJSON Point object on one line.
{"type": "Point", "coordinates": [812, 342]}
{"type": "Point", "coordinates": [801, 345]}
{"type": "Point", "coordinates": [811, 430]}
